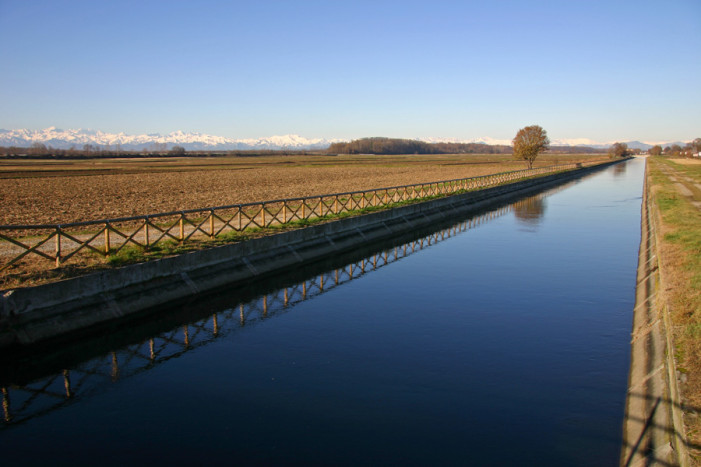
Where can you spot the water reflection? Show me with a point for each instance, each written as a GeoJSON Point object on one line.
{"type": "Point", "coordinates": [530, 211]}
{"type": "Point", "coordinates": [619, 170]}
{"type": "Point", "coordinates": [35, 386]}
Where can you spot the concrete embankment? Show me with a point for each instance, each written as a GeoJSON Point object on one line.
{"type": "Point", "coordinates": [33, 315]}
{"type": "Point", "coordinates": [653, 433]}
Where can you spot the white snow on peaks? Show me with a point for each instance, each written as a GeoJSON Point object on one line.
{"type": "Point", "coordinates": [64, 139]}
{"type": "Point", "coordinates": [482, 140]}
{"type": "Point", "coordinates": [575, 142]}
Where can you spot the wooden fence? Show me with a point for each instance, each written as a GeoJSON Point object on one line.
{"type": "Point", "coordinates": [57, 244]}
{"type": "Point", "coordinates": [23, 401]}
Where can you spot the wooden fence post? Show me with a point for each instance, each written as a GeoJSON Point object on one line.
{"type": "Point", "coordinates": [6, 404]}
{"type": "Point", "coordinates": [58, 246]}
{"type": "Point", "coordinates": [67, 384]}
{"type": "Point", "coordinates": [146, 239]}
{"type": "Point", "coordinates": [211, 224]}
{"type": "Point", "coordinates": [107, 239]}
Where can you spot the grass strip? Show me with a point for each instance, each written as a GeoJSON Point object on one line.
{"type": "Point", "coordinates": [90, 262]}
{"type": "Point", "coordinates": [680, 260]}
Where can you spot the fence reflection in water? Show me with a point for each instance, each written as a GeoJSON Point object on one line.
{"type": "Point", "coordinates": [22, 402]}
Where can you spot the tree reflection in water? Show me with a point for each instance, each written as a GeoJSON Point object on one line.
{"type": "Point", "coordinates": [619, 170]}
{"type": "Point", "coordinates": [530, 210]}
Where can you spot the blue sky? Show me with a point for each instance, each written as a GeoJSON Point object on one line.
{"type": "Point", "coordinates": [604, 70]}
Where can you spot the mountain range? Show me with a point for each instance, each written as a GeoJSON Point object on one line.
{"type": "Point", "coordinates": [65, 139]}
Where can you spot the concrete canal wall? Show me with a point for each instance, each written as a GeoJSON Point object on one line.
{"type": "Point", "coordinates": [653, 431]}
{"type": "Point", "coordinates": [35, 314]}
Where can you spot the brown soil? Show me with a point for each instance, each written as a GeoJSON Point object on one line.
{"type": "Point", "coordinates": [40, 192]}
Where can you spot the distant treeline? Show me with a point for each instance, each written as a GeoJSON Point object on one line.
{"type": "Point", "coordinates": [377, 146]}
{"type": "Point", "coordinates": [410, 146]}
{"type": "Point", "coordinates": [41, 151]}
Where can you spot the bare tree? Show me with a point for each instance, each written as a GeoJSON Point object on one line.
{"type": "Point", "coordinates": [177, 151]}
{"type": "Point", "coordinates": [38, 149]}
{"type": "Point", "coordinates": [529, 142]}
{"type": "Point", "coordinates": [697, 144]}
{"type": "Point", "coordinates": [618, 150]}
{"type": "Point", "coordinates": [656, 150]}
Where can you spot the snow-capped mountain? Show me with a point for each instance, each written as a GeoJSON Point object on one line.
{"type": "Point", "coordinates": [482, 140]}
{"type": "Point", "coordinates": [64, 139]}
{"type": "Point", "coordinates": [579, 142]}
{"type": "Point", "coordinates": [642, 145]}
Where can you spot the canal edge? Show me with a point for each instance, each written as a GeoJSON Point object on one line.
{"type": "Point", "coordinates": [54, 310]}
{"type": "Point", "coordinates": [653, 430]}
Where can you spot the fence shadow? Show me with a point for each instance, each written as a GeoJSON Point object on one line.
{"type": "Point", "coordinates": [657, 455]}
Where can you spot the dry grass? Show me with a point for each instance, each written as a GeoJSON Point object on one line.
{"type": "Point", "coordinates": [686, 161]}
{"type": "Point", "coordinates": [38, 192]}
{"type": "Point", "coordinates": [680, 263]}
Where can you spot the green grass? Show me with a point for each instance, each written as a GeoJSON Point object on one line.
{"type": "Point", "coordinates": [132, 254]}
{"type": "Point", "coordinates": [680, 254]}
{"type": "Point", "coordinates": [135, 254]}
{"type": "Point", "coordinates": [682, 221]}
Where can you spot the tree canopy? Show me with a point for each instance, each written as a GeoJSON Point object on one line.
{"type": "Point", "coordinates": [619, 150]}
{"type": "Point", "coordinates": [412, 146]}
{"type": "Point", "coordinates": [529, 142]}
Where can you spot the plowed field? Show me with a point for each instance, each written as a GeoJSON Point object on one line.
{"type": "Point", "coordinates": [47, 192]}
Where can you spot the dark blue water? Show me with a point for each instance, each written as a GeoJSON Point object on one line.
{"type": "Point", "coordinates": [498, 340]}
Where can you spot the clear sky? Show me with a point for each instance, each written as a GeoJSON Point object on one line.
{"type": "Point", "coordinates": [600, 69]}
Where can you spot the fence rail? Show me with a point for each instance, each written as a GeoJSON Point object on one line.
{"type": "Point", "coordinates": [56, 244]}
{"type": "Point", "coordinates": [24, 401]}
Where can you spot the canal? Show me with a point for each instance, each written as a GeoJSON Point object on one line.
{"type": "Point", "coordinates": [498, 339]}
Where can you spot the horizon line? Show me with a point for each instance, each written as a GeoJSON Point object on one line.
{"type": "Point", "coordinates": [578, 141]}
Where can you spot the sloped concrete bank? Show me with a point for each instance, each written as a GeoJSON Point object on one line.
{"type": "Point", "coordinates": [32, 315]}
{"type": "Point", "coordinates": [653, 431]}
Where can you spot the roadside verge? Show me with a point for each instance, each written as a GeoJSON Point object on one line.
{"type": "Point", "coordinates": [653, 430]}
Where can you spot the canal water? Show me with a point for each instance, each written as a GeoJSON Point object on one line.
{"type": "Point", "coordinates": [498, 339]}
